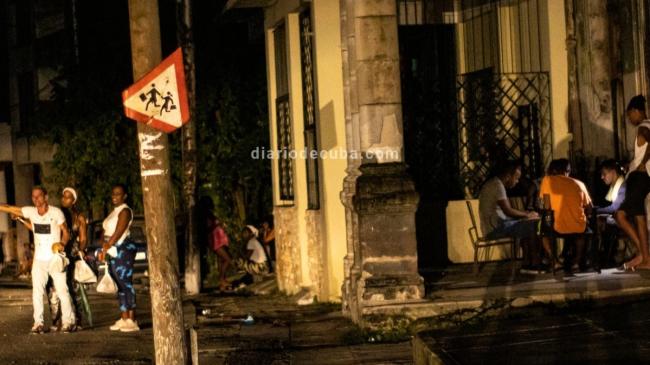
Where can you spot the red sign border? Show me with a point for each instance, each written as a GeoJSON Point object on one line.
{"type": "Point", "coordinates": [175, 59]}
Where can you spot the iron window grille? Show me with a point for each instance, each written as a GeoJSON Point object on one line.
{"type": "Point", "coordinates": [309, 112]}
{"type": "Point", "coordinates": [283, 116]}
{"type": "Point", "coordinates": [502, 116]}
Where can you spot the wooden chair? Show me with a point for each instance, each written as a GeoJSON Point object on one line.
{"type": "Point", "coordinates": [479, 241]}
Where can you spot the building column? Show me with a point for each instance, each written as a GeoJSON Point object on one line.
{"type": "Point", "coordinates": [382, 204]}
{"type": "Point", "coordinates": [590, 75]}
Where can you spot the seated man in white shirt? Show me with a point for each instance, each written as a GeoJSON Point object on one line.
{"type": "Point", "coordinates": [256, 262]}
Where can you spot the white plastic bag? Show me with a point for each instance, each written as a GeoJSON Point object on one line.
{"type": "Point", "coordinates": [106, 285]}
{"type": "Point", "coordinates": [83, 273]}
{"type": "Point", "coordinates": [58, 263]}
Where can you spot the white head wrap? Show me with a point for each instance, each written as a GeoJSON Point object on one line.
{"type": "Point", "coordinates": [252, 229]}
{"type": "Point", "coordinates": [72, 191]}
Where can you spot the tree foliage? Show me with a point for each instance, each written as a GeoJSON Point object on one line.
{"type": "Point", "coordinates": [96, 145]}
{"type": "Point", "coordinates": [232, 122]}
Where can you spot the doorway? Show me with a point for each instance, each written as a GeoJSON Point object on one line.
{"type": "Point", "coordinates": [428, 76]}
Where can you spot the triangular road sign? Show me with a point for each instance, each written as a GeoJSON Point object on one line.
{"type": "Point", "coordinates": [159, 99]}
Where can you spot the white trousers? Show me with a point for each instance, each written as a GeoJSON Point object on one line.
{"type": "Point", "coordinates": [40, 275]}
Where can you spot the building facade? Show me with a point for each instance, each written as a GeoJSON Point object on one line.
{"type": "Point", "coordinates": [397, 110]}
{"type": "Point", "coordinates": [33, 32]}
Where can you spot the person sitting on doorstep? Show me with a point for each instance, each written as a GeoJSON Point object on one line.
{"type": "Point", "coordinates": [571, 204]}
{"type": "Point", "coordinates": [499, 219]}
{"type": "Point", "coordinates": [255, 262]}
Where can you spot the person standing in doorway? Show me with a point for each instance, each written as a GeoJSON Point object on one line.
{"type": "Point", "coordinates": [631, 215]}
{"type": "Point", "coordinates": [49, 227]}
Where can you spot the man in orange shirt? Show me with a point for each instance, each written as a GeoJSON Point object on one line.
{"type": "Point", "coordinates": [570, 202]}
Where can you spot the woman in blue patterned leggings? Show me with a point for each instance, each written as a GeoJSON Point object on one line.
{"type": "Point", "coordinates": [121, 251]}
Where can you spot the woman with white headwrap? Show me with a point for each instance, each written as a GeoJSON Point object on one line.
{"type": "Point", "coordinates": [77, 222]}
{"type": "Point", "coordinates": [255, 262]}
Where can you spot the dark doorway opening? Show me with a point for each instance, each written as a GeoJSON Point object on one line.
{"type": "Point", "coordinates": [428, 75]}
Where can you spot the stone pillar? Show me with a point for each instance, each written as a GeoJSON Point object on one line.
{"type": "Point", "coordinates": [380, 198]}
{"type": "Point", "coordinates": [575, 120]}
{"type": "Point", "coordinates": [591, 75]}
{"type": "Point", "coordinates": [351, 265]}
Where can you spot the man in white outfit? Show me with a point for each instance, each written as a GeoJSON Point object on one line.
{"type": "Point", "coordinates": [49, 227]}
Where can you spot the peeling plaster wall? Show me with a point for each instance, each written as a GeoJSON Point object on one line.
{"type": "Point", "coordinates": [316, 258]}
{"type": "Point", "coordinates": [287, 248]}
{"type": "Point", "coordinates": [592, 31]}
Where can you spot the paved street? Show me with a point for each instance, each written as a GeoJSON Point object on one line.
{"type": "Point", "coordinates": [615, 331]}
{"type": "Point", "coordinates": [282, 333]}
{"type": "Point", "coordinates": [547, 334]}
{"type": "Point", "coordinates": [89, 346]}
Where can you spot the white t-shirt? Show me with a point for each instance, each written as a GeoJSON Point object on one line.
{"type": "Point", "coordinates": [489, 210]}
{"type": "Point", "coordinates": [110, 224]}
{"type": "Point", "coordinates": [47, 230]}
{"type": "Point", "coordinates": [258, 251]}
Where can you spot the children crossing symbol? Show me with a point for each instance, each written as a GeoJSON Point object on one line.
{"type": "Point", "coordinates": [159, 99]}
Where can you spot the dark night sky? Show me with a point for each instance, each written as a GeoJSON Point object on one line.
{"type": "Point", "coordinates": [222, 41]}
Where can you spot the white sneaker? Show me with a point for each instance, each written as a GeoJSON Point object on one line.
{"type": "Point", "coordinates": [118, 325]}
{"type": "Point", "coordinates": [130, 326]}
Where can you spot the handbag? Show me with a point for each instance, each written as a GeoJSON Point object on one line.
{"type": "Point", "coordinates": [83, 273]}
{"type": "Point", "coordinates": [107, 284]}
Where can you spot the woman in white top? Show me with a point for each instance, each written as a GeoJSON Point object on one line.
{"type": "Point", "coordinates": [121, 257]}
{"type": "Point", "coordinates": [255, 262]}
{"type": "Point", "coordinates": [631, 216]}
{"type": "Point", "coordinates": [613, 175]}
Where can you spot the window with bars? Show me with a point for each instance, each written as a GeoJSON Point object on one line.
{"type": "Point", "coordinates": [309, 109]}
{"type": "Point", "coordinates": [283, 115]}
{"type": "Point", "coordinates": [502, 116]}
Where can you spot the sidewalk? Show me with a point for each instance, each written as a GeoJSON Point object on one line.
{"type": "Point", "coordinates": [458, 288]}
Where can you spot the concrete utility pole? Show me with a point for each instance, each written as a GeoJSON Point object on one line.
{"type": "Point", "coordinates": [166, 301]}
{"type": "Point", "coordinates": [192, 252]}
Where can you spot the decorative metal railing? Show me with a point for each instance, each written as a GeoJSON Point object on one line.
{"type": "Point", "coordinates": [285, 147]}
{"type": "Point", "coordinates": [502, 116]}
